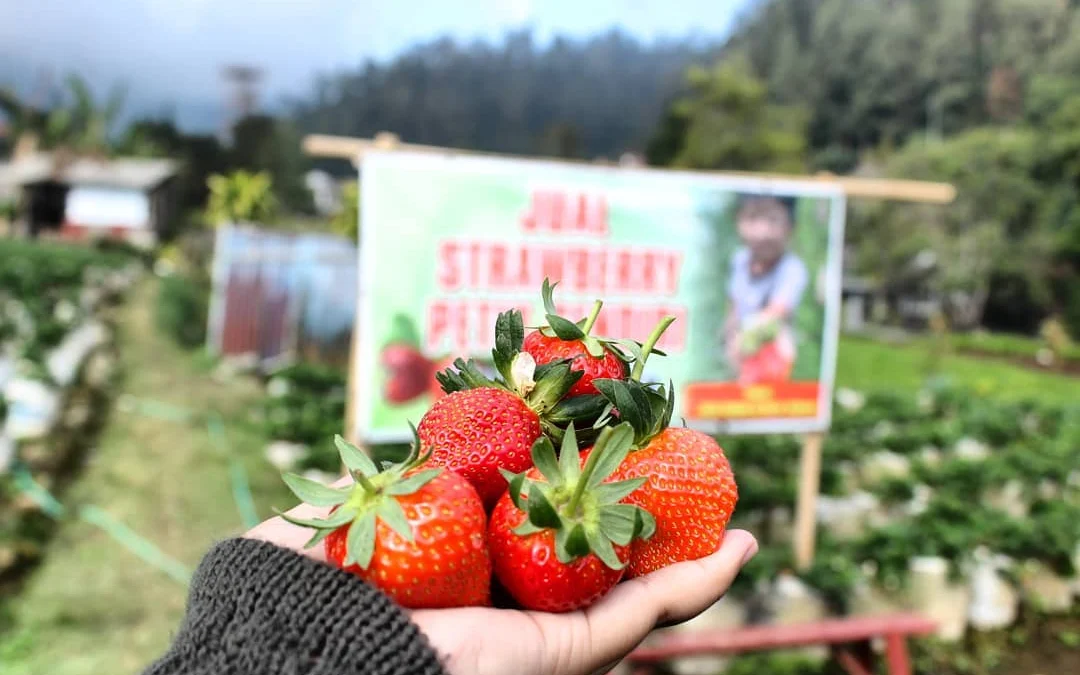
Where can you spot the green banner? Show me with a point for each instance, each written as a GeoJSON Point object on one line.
{"type": "Point", "coordinates": [749, 267]}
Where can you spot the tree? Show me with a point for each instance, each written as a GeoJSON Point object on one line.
{"type": "Point", "coordinates": [346, 222]}
{"type": "Point", "coordinates": [728, 123]}
{"type": "Point", "coordinates": [241, 197]}
{"type": "Point", "coordinates": [75, 124]}
{"type": "Point", "coordinates": [263, 143]}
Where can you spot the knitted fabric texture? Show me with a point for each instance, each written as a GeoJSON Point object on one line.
{"type": "Point", "coordinates": [257, 609]}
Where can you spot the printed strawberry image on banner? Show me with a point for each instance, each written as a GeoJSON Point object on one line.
{"type": "Point", "coordinates": [409, 374]}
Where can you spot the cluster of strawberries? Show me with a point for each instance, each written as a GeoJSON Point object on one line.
{"type": "Point", "coordinates": [485, 494]}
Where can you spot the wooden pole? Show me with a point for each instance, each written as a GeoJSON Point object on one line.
{"type": "Point", "coordinates": [806, 507]}
{"type": "Point", "coordinates": [923, 192]}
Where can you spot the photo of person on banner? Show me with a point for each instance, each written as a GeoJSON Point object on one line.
{"type": "Point", "coordinates": [766, 283]}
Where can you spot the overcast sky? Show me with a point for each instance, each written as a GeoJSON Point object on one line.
{"type": "Point", "coordinates": [171, 50]}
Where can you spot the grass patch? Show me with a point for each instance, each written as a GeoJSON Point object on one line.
{"type": "Point", "coordinates": [868, 365]}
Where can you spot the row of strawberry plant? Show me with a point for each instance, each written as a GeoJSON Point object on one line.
{"type": "Point", "coordinates": [57, 365]}
{"type": "Point", "coordinates": [942, 476]}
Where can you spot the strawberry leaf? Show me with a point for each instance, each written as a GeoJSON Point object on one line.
{"type": "Point", "coordinates": [541, 512]}
{"type": "Point", "coordinates": [407, 486]}
{"type": "Point", "coordinates": [618, 524]}
{"type": "Point", "coordinates": [509, 337]}
{"type": "Point", "coordinates": [547, 292]}
{"type": "Point", "coordinates": [618, 393]}
{"type": "Point", "coordinates": [569, 458]}
{"type": "Point", "coordinates": [564, 328]}
{"type": "Point", "coordinates": [584, 407]}
{"type": "Point", "coordinates": [613, 447]}
{"type": "Point", "coordinates": [601, 546]}
{"type": "Point", "coordinates": [354, 458]}
{"type": "Point", "coordinates": [594, 347]}
{"type": "Point", "coordinates": [360, 544]}
{"type": "Point", "coordinates": [571, 543]}
{"type": "Point", "coordinates": [336, 519]}
{"type": "Point", "coordinates": [526, 528]}
{"type": "Point", "coordinates": [611, 493]}
{"type": "Point", "coordinates": [552, 387]}
{"type": "Point", "coordinates": [516, 480]}
{"type": "Point", "coordinates": [644, 524]}
{"type": "Point", "coordinates": [319, 535]}
{"type": "Point", "coordinates": [543, 457]}
{"type": "Point", "coordinates": [313, 492]}
{"type": "Point", "coordinates": [450, 381]}
{"type": "Point", "coordinates": [391, 513]}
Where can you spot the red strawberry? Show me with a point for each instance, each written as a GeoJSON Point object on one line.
{"type": "Point", "coordinates": [690, 489]}
{"type": "Point", "coordinates": [546, 349]}
{"type": "Point", "coordinates": [559, 537]}
{"type": "Point", "coordinates": [563, 339]}
{"type": "Point", "coordinates": [485, 425]}
{"type": "Point", "coordinates": [476, 432]}
{"type": "Point", "coordinates": [419, 535]}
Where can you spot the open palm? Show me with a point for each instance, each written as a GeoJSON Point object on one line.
{"type": "Point", "coordinates": [483, 641]}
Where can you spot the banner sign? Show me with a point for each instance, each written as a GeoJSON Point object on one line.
{"type": "Point", "coordinates": [749, 267]}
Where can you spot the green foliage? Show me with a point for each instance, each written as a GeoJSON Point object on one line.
{"type": "Point", "coordinates": [1034, 444]}
{"type": "Point", "coordinates": [520, 95]}
{"type": "Point", "coordinates": [181, 309]}
{"type": "Point", "coordinates": [41, 284]}
{"type": "Point", "coordinates": [241, 197]}
{"type": "Point", "coordinates": [346, 222]}
{"type": "Point", "coordinates": [727, 122]}
{"type": "Point", "coordinates": [310, 410]}
{"type": "Point", "coordinates": [777, 664]}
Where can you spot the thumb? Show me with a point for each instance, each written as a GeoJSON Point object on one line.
{"type": "Point", "coordinates": [673, 594]}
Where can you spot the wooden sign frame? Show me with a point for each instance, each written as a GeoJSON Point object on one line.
{"type": "Point", "coordinates": [805, 529]}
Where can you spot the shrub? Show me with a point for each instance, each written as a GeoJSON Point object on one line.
{"type": "Point", "coordinates": [181, 310]}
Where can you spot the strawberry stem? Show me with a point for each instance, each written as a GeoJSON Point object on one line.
{"type": "Point", "coordinates": [592, 317]}
{"type": "Point", "coordinates": [586, 473]}
{"type": "Point", "coordinates": [650, 344]}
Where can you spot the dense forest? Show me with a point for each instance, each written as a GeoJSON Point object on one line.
{"type": "Point", "coordinates": [599, 96]}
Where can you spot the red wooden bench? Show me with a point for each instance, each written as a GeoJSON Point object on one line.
{"type": "Point", "coordinates": [848, 638]}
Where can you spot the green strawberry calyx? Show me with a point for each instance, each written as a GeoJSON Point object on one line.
{"type": "Point", "coordinates": [542, 387]}
{"type": "Point", "coordinates": [571, 331]}
{"type": "Point", "coordinates": [646, 407]}
{"type": "Point", "coordinates": [572, 500]}
{"type": "Point", "coordinates": [373, 496]}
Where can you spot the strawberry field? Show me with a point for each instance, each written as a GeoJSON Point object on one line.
{"type": "Point", "coordinates": [57, 358]}
{"type": "Point", "coordinates": [958, 506]}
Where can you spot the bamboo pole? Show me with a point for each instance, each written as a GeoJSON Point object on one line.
{"type": "Point", "coordinates": [923, 192]}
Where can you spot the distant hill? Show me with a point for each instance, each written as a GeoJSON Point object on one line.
{"type": "Point", "coordinates": [593, 97]}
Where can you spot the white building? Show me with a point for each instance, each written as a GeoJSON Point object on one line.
{"type": "Point", "coordinates": [85, 198]}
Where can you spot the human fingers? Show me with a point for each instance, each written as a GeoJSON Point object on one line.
{"type": "Point", "coordinates": [675, 593]}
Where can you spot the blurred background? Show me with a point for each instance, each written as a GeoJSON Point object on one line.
{"type": "Point", "coordinates": [141, 420]}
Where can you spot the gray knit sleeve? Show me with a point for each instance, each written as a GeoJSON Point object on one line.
{"type": "Point", "coordinates": [257, 609]}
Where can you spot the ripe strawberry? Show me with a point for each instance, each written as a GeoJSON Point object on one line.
{"type": "Point", "coordinates": [563, 339]}
{"type": "Point", "coordinates": [476, 432]}
{"type": "Point", "coordinates": [559, 537]}
{"type": "Point", "coordinates": [690, 489]}
{"type": "Point", "coordinates": [485, 425]}
{"type": "Point", "coordinates": [691, 492]}
{"type": "Point", "coordinates": [419, 535]}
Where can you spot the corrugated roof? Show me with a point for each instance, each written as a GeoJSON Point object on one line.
{"type": "Point", "coordinates": [128, 172]}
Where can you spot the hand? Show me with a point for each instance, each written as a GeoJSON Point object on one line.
{"type": "Point", "coordinates": [483, 641]}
